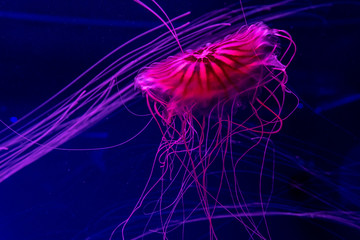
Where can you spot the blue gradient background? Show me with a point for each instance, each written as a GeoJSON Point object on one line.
{"type": "Point", "coordinates": [84, 195]}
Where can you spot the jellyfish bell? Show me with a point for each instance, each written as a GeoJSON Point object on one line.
{"type": "Point", "coordinates": [225, 70]}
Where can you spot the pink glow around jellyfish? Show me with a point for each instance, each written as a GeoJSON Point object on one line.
{"type": "Point", "coordinates": [218, 72]}
{"type": "Point", "coordinates": [197, 95]}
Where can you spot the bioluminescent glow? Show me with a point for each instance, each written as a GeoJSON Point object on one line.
{"type": "Point", "coordinates": [216, 89]}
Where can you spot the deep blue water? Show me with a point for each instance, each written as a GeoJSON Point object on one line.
{"type": "Point", "coordinates": [84, 195]}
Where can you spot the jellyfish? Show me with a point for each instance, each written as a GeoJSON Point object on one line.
{"type": "Point", "coordinates": [215, 91]}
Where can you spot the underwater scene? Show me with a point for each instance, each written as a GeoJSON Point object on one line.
{"type": "Point", "coordinates": [169, 119]}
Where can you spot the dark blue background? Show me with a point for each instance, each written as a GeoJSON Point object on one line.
{"type": "Point", "coordinates": [75, 195]}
